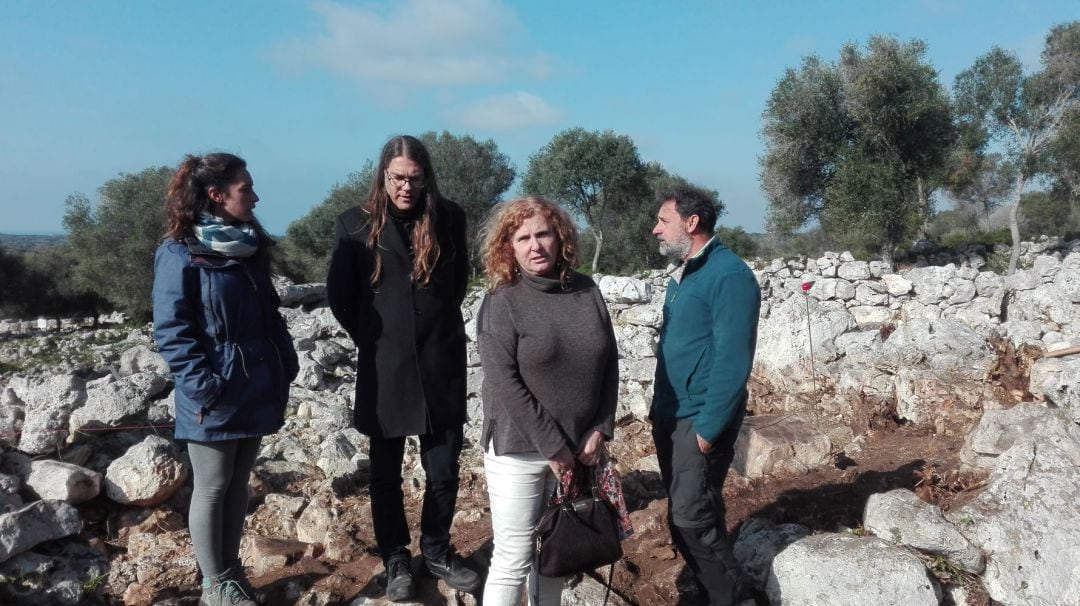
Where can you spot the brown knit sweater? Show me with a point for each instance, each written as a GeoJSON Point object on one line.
{"type": "Point", "coordinates": [551, 371]}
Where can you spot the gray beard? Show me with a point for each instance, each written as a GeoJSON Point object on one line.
{"type": "Point", "coordinates": [678, 249]}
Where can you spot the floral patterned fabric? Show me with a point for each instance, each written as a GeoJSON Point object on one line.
{"type": "Point", "coordinates": [578, 482]}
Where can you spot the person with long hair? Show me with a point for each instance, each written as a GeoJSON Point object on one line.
{"type": "Point", "coordinates": [397, 278]}
{"type": "Point", "coordinates": [217, 325]}
{"type": "Point", "coordinates": [551, 381]}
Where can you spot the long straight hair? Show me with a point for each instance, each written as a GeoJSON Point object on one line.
{"type": "Point", "coordinates": [425, 242]}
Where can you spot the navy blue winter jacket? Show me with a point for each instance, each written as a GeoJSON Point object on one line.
{"type": "Point", "coordinates": [217, 325]}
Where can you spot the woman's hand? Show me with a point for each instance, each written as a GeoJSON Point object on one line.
{"type": "Point", "coordinates": [562, 461]}
{"type": "Point", "coordinates": [589, 455]}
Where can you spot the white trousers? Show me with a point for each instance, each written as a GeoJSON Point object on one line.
{"type": "Point", "coordinates": [519, 486]}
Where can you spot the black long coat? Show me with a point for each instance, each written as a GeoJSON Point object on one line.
{"type": "Point", "coordinates": [410, 340]}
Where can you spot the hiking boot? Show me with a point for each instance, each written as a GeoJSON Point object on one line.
{"type": "Point", "coordinates": [399, 581]}
{"type": "Point", "coordinates": [224, 590]}
{"type": "Point", "coordinates": [241, 579]}
{"type": "Point", "coordinates": [453, 571]}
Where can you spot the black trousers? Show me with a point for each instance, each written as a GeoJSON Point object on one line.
{"type": "Point", "coordinates": [439, 456]}
{"type": "Point", "coordinates": [694, 484]}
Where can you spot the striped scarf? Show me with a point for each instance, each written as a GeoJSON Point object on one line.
{"type": "Point", "coordinates": [240, 240]}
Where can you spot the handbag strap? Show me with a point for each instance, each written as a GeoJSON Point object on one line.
{"type": "Point", "coordinates": [610, 576]}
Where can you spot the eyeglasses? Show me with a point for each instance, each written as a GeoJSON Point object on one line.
{"type": "Point", "coordinates": [401, 180]}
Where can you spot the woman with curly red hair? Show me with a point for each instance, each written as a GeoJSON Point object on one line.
{"type": "Point", "coordinates": [550, 382]}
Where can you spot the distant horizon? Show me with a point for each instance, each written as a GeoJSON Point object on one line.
{"type": "Point", "coordinates": [307, 91]}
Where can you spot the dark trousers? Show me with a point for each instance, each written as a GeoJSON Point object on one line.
{"type": "Point", "coordinates": [439, 456]}
{"type": "Point", "coordinates": [694, 484]}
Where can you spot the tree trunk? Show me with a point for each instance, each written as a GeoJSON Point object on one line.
{"type": "Point", "coordinates": [1014, 224]}
{"type": "Point", "coordinates": [887, 255]}
{"type": "Point", "coordinates": [924, 205]}
{"type": "Point", "coordinates": [599, 236]}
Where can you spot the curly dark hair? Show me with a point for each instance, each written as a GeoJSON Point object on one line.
{"type": "Point", "coordinates": [690, 200]}
{"type": "Point", "coordinates": [187, 195]}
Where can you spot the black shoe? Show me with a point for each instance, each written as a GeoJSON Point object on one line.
{"type": "Point", "coordinates": [399, 582]}
{"type": "Point", "coordinates": [452, 570]}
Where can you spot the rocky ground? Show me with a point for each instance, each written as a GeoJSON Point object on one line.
{"type": "Point", "coordinates": [925, 453]}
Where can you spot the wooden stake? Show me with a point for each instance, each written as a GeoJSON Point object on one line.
{"type": "Point", "coordinates": [1068, 351]}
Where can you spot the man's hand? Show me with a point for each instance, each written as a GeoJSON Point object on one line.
{"type": "Point", "coordinates": [589, 455]}
{"type": "Point", "coordinates": [703, 444]}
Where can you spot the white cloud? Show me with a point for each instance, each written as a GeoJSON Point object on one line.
{"type": "Point", "coordinates": [397, 48]}
{"type": "Point", "coordinates": [508, 112]}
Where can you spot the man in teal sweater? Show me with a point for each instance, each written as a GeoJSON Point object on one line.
{"type": "Point", "coordinates": [699, 397]}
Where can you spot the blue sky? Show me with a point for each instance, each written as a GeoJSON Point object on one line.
{"type": "Point", "coordinates": [307, 91]}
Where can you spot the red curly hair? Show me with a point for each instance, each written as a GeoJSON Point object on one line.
{"type": "Point", "coordinates": [498, 251]}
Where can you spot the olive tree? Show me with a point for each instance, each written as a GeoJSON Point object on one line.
{"type": "Point", "coordinates": [1022, 112]}
{"type": "Point", "coordinates": [113, 239]}
{"type": "Point", "coordinates": [857, 144]}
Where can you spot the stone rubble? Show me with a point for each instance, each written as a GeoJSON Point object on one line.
{"type": "Point", "coordinates": [923, 340]}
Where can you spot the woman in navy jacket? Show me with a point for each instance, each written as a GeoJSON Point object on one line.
{"type": "Point", "coordinates": [397, 278]}
{"type": "Point", "coordinates": [217, 325]}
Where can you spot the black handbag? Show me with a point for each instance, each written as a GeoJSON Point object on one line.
{"type": "Point", "coordinates": [577, 535]}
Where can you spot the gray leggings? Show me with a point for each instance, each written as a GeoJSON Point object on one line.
{"type": "Point", "coordinates": [219, 500]}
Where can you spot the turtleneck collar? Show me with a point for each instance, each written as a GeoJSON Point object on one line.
{"type": "Point", "coordinates": [542, 283]}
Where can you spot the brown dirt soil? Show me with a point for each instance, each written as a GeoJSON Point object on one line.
{"type": "Point", "coordinates": [652, 573]}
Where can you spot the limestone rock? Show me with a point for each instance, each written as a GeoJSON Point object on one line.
{"type": "Point", "coordinates": [56, 480]}
{"type": "Point", "coordinates": [854, 270]}
{"type": "Point", "coordinates": [832, 288]}
{"type": "Point", "coordinates": [932, 285]}
{"type": "Point", "coordinates": [901, 517]}
{"type": "Point", "coordinates": [314, 522]}
{"type": "Point", "coordinates": [9, 493]}
{"type": "Point", "coordinates": [1027, 518]}
{"type": "Point", "coordinates": [643, 315]}
{"type": "Point", "coordinates": [783, 347]}
{"type": "Point", "coordinates": [148, 474]}
{"type": "Point", "coordinates": [779, 443]}
{"type": "Point", "coordinates": [41, 521]}
{"type": "Point", "coordinates": [48, 405]}
{"type": "Point", "coordinates": [142, 358]}
{"type": "Point", "coordinates": [998, 430]}
{"type": "Point", "coordinates": [1058, 380]}
{"type": "Point", "coordinates": [616, 289]}
{"type": "Point", "coordinates": [896, 284]}
{"type": "Point", "coordinates": [758, 543]}
{"type": "Point", "coordinates": [942, 345]}
{"type": "Point", "coordinates": [635, 341]}
{"type": "Point", "coordinates": [119, 402]}
{"type": "Point", "coordinates": [871, 315]}
{"type": "Point", "coordinates": [295, 295]}
{"type": "Point", "coordinates": [69, 575]}
{"type": "Point", "coordinates": [342, 453]}
{"type": "Point", "coordinates": [844, 570]}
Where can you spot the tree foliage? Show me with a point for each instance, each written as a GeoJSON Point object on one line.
{"type": "Point", "coordinates": [856, 144]}
{"type": "Point", "coordinates": [38, 283]}
{"type": "Point", "coordinates": [600, 178]}
{"type": "Point", "coordinates": [1023, 112]}
{"type": "Point", "coordinates": [475, 174]}
{"type": "Point", "coordinates": [309, 240]}
{"type": "Point", "coordinates": [113, 241]}
{"type": "Point", "coordinates": [1043, 213]}
{"type": "Point", "coordinates": [981, 181]}
{"type": "Point", "coordinates": [1063, 159]}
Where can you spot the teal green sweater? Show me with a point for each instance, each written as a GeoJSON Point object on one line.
{"type": "Point", "coordinates": [707, 342]}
